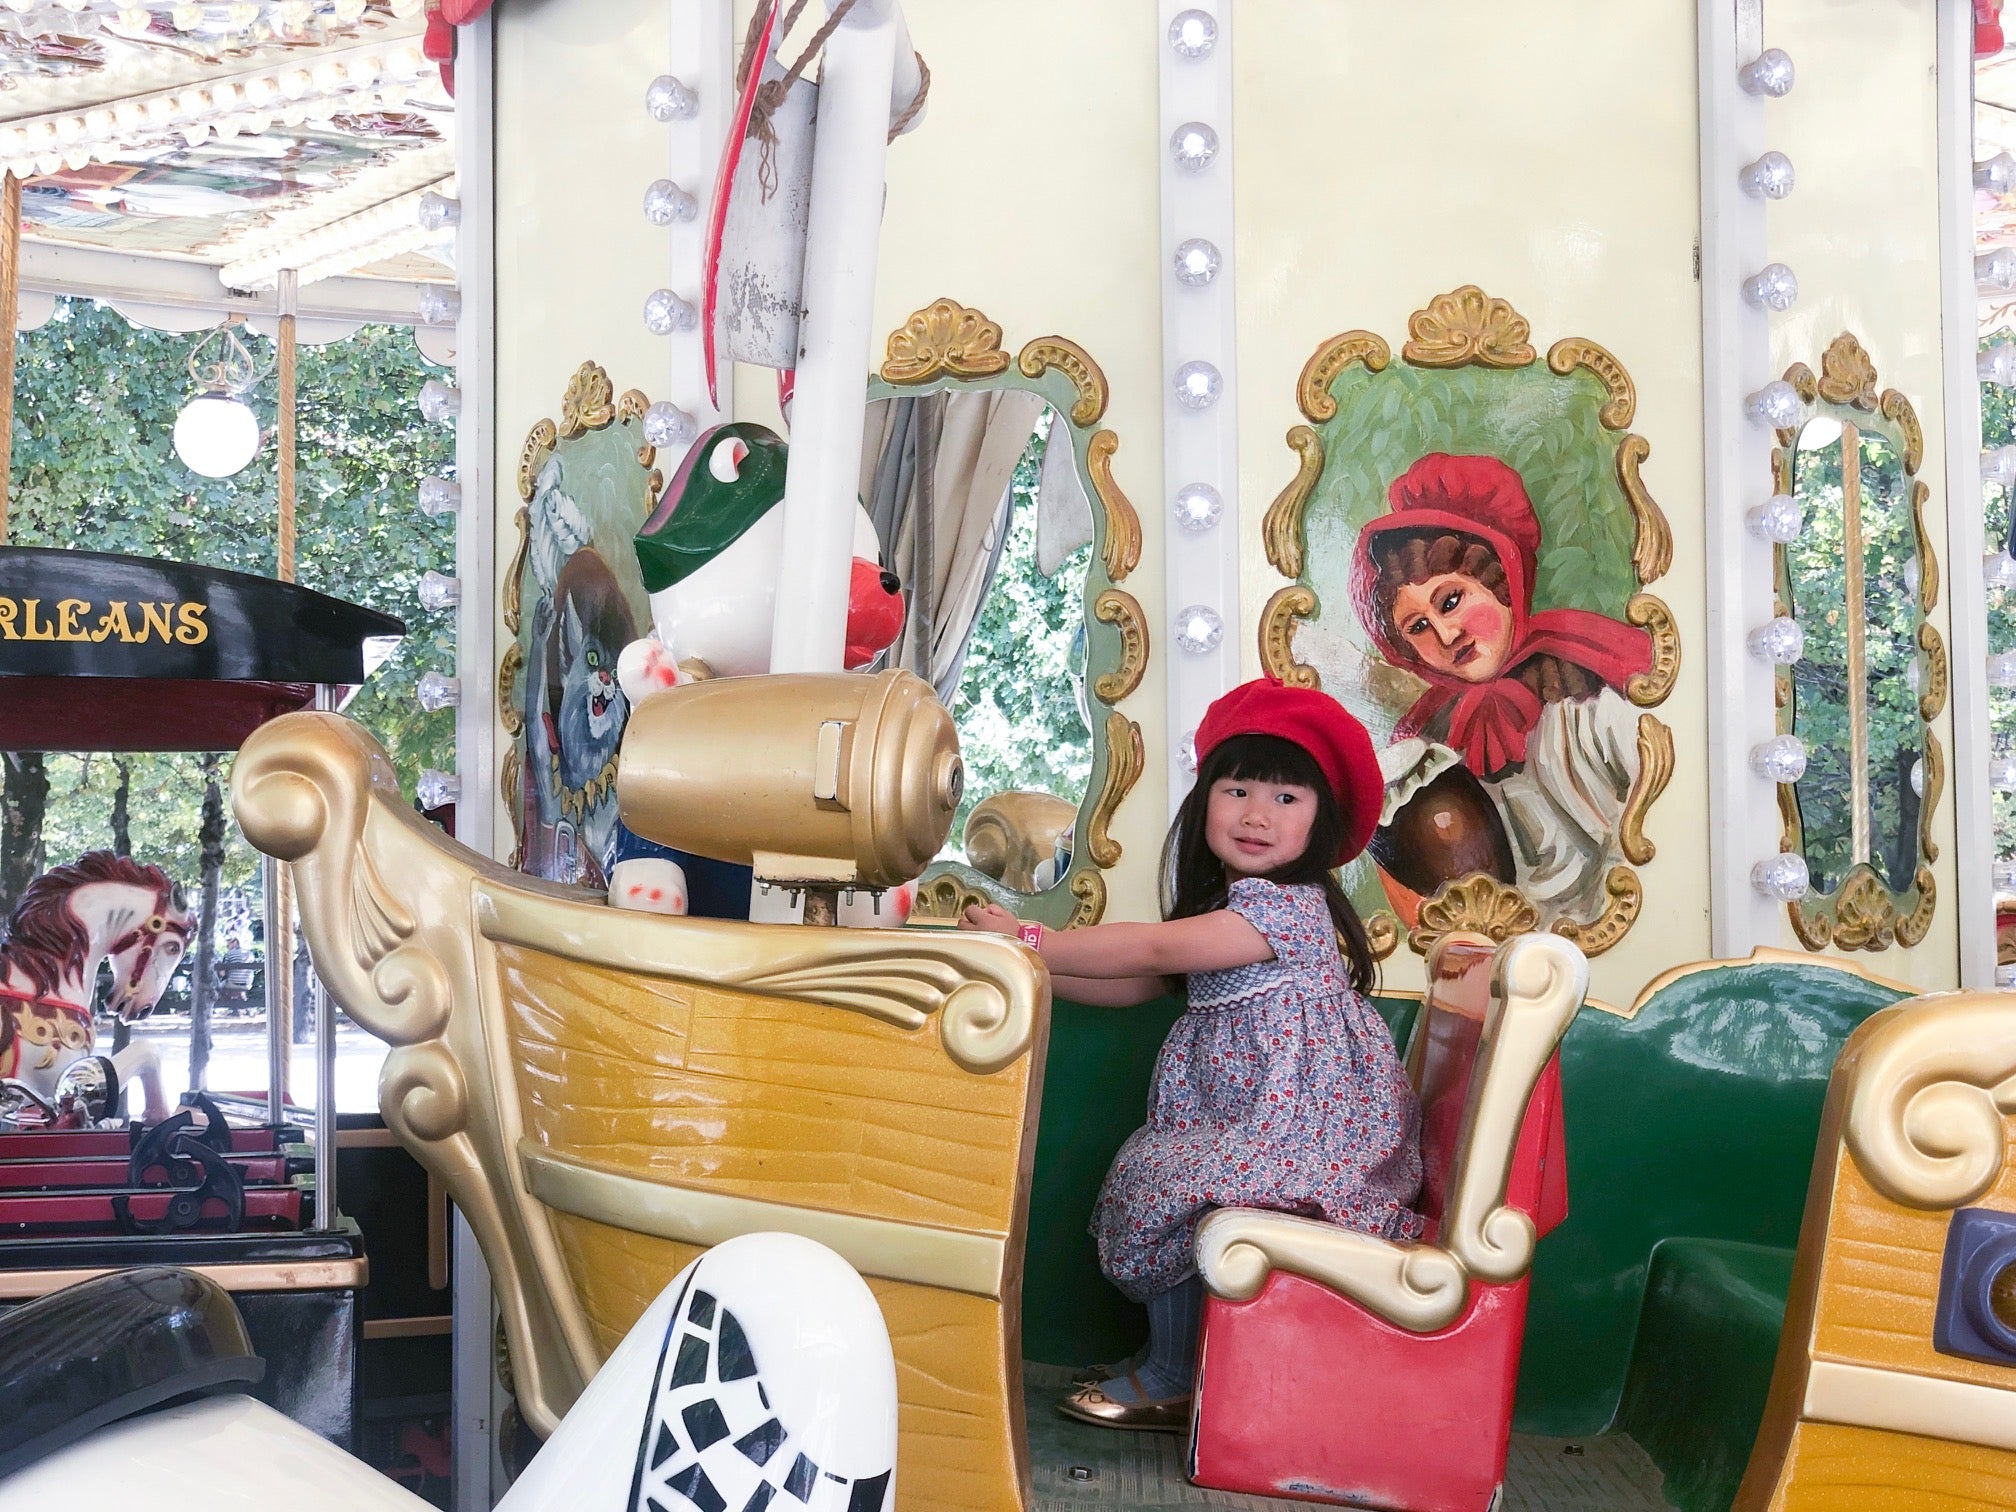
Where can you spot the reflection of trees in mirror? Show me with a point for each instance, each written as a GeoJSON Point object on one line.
{"type": "Point", "coordinates": [1998, 428]}
{"type": "Point", "coordinates": [94, 468]}
{"type": "Point", "coordinates": [1017, 707]}
{"type": "Point", "coordinates": [1820, 688]}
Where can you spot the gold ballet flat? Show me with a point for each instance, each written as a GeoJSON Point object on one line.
{"type": "Point", "coordinates": [1089, 1404]}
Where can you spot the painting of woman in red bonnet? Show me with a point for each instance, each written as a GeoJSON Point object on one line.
{"type": "Point", "coordinates": [1518, 757]}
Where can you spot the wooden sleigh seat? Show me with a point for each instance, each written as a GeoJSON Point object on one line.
{"type": "Point", "coordinates": [1340, 1367]}
{"type": "Point", "coordinates": [1895, 1381]}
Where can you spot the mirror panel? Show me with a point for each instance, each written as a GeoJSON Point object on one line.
{"type": "Point", "coordinates": [989, 491]}
{"type": "Point", "coordinates": [1860, 580]}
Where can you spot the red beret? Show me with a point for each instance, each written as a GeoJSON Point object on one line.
{"type": "Point", "coordinates": [1321, 726]}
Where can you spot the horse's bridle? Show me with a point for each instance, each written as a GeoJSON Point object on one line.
{"type": "Point", "coordinates": [148, 935]}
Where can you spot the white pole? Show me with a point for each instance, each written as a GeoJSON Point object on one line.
{"type": "Point", "coordinates": [866, 74]}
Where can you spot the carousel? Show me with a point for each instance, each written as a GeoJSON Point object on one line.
{"type": "Point", "coordinates": [890, 443]}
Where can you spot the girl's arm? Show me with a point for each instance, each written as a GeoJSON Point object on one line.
{"type": "Point", "coordinates": [1108, 952]}
{"type": "Point", "coordinates": [1116, 992]}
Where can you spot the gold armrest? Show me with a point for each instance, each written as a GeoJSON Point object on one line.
{"type": "Point", "coordinates": [1419, 1287]}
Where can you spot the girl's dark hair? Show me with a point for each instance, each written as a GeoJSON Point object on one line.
{"type": "Point", "coordinates": [1193, 878]}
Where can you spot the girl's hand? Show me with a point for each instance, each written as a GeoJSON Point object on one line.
{"type": "Point", "coordinates": [991, 917]}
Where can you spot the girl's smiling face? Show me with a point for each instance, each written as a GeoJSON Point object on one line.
{"type": "Point", "coordinates": [1455, 625]}
{"type": "Point", "coordinates": [1258, 827]}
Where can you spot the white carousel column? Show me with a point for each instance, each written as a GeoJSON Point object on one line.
{"type": "Point", "coordinates": [1743, 823]}
{"type": "Point", "coordinates": [867, 73]}
{"type": "Point", "coordinates": [1973, 802]}
{"type": "Point", "coordinates": [1200, 412]}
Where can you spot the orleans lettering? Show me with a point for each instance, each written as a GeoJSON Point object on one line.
{"type": "Point", "coordinates": [74, 619]}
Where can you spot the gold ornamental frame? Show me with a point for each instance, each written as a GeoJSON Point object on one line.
{"type": "Point", "coordinates": [947, 347]}
{"type": "Point", "coordinates": [1862, 912]}
{"type": "Point", "coordinates": [590, 403]}
{"type": "Point", "coordinates": [1468, 327]}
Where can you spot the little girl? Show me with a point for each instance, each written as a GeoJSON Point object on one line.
{"type": "Point", "coordinates": [1279, 1087]}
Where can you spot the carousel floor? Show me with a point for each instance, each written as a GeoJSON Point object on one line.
{"type": "Point", "coordinates": [1076, 1465]}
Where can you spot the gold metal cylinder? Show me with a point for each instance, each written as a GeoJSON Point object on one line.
{"type": "Point", "coordinates": [807, 777]}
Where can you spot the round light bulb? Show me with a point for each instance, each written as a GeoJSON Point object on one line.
{"type": "Point", "coordinates": [1782, 878]}
{"type": "Point", "coordinates": [436, 692]}
{"type": "Point", "coordinates": [1780, 642]}
{"type": "Point", "coordinates": [1999, 466]}
{"type": "Point", "coordinates": [1998, 569]}
{"type": "Point", "coordinates": [1768, 74]}
{"type": "Point", "coordinates": [1194, 146]}
{"type": "Point", "coordinates": [1996, 175]}
{"type": "Point", "coordinates": [1196, 262]}
{"type": "Point", "coordinates": [1911, 578]}
{"type": "Point", "coordinates": [1782, 758]}
{"type": "Point", "coordinates": [1186, 753]}
{"type": "Point", "coordinates": [2004, 875]}
{"type": "Point", "coordinates": [2002, 771]}
{"type": "Point", "coordinates": [669, 100]}
{"type": "Point", "coordinates": [1199, 629]}
{"type": "Point", "coordinates": [439, 306]}
{"type": "Point", "coordinates": [1914, 676]}
{"type": "Point", "coordinates": [1770, 177]}
{"type": "Point", "coordinates": [437, 789]}
{"type": "Point", "coordinates": [216, 435]}
{"type": "Point", "coordinates": [665, 312]}
{"type": "Point", "coordinates": [439, 591]}
{"type": "Point", "coordinates": [1193, 33]}
{"type": "Point", "coordinates": [1778, 519]}
{"type": "Point", "coordinates": [438, 212]}
{"type": "Point", "coordinates": [1997, 364]}
{"type": "Point", "coordinates": [2002, 669]}
{"type": "Point", "coordinates": [1198, 385]}
{"type": "Point", "coordinates": [439, 402]}
{"type": "Point", "coordinates": [665, 202]}
{"type": "Point", "coordinates": [665, 424]}
{"type": "Point", "coordinates": [439, 496]}
{"type": "Point", "coordinates": [1995, 272]}
{"type": "Point", "coordinates": [1776, 405]}
{"type": "Point", "coordinates": [1773, 287]}
{"type": "Point", "coordinates": [1198, 506]}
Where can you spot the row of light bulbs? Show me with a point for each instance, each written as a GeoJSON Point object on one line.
{"type": "Point", "coordinates": [1995, 273]}
{"type": "Point", "coordinates": [666, 312]}
{"type": "Point", "coordinates": [215, 21]}
{"type": "Point", "coordinates": [1194, 146]}
{"type": "Point", "coordinates": [1773, 289]}
{"type": "Point", "coordinates": [396, 226]}
{"type": "Point", "coordinates": [250, 104]}
{"type": "Point", "coordinates": [434, 215]}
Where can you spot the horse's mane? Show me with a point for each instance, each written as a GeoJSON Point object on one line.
{"type": "Point", "coordinates": [43, 937]}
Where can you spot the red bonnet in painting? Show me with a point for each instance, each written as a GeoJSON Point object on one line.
{"type": "Point", "coordinates": [1485, 499]}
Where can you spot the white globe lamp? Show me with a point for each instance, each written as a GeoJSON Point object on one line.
{"type": "Point", "coordinates": [217, 435]}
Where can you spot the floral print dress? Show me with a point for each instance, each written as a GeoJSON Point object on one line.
{"type": "Point", "coordinates": [1278, 1088]}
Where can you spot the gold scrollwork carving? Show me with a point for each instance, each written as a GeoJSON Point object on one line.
{"type": "Point", "coordinates": [1277, 635]}
{"type": "Point", "coordinates": [544, 437]}
{"type": "Point", "coordinates": [1912, 927]}
{"type": "Point", "coordinates": [1847, 373]}
{"type": "Point", "coordinates": [1938, 677]}
{"type": "Point", "coordinates": [1478, 904]}
{"type": "Point", "coordinates": [1125, 761]}
{"type": "Point", "coordinates": [945, 897]}
{"type": "Point", "coordinates": [1650, 614]}
{"type": "Point", "coordinates": [1806, 386]}
{"type": "Point", "coordinates": [1075, 363]}
{"type": "Point", "coordinates": [513, 605]}
{"type": "Point", "coordinates": [1928, 558]}
{"type": "Point", "coordinates": [1089, 888]}
{"type": "Point", "coordinates": [1652, 544]}
{"type": "Point", "coordinates": [1934, 759]}
{"type": "Point", "coordinates": [1382, 933]}
{"type": "Point", "coordinates": [632, 406]}
{"type": "Point", "coordinates": [1572, 352]}
{"type": "Point", "coordinates": [1282, 529]}
{"type": "Point", "coordinates": [1312, 389]}
{"type": "Point", "coordinates": [508, 712]}
{"type": "Point", "coordinates": [1464, 326]}
{"type": "Point", "coordinates": [1655, 771]}
{"type": "Point", "coordinates": [1864, 918]}
{"type": "Point", "coordinates": [1122, 611]}
{"type": "Point", "coordinates": [1625, 898]}
{"type": "Point", "coordinates": [1123, 526]}
{"type": "Point", "coordinates": [589, 403]}
{"type": "Point", "coordinates": [1901, 412]}
{"type": "Point", "coordinates": [944, 337]}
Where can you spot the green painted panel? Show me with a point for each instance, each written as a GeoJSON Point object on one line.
{"type": "Point", "coordinates": [1095, 1093]}
{"type": "Point", "coordinates": [1696, 1119]}
{"type": "Point", "coordinates": [1701, 1368]}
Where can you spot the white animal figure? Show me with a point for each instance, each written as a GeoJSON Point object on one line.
{"type": "Point", "coordinates": [766, 1363]}
{"type": "Point", "coordinates": [649, 884]}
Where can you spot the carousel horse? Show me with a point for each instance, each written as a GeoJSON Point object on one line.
{"type": "Point", "coordinates": [101, 906]}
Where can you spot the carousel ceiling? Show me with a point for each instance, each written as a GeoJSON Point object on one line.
{"type": "Point", "coordinates": [247, 136]}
